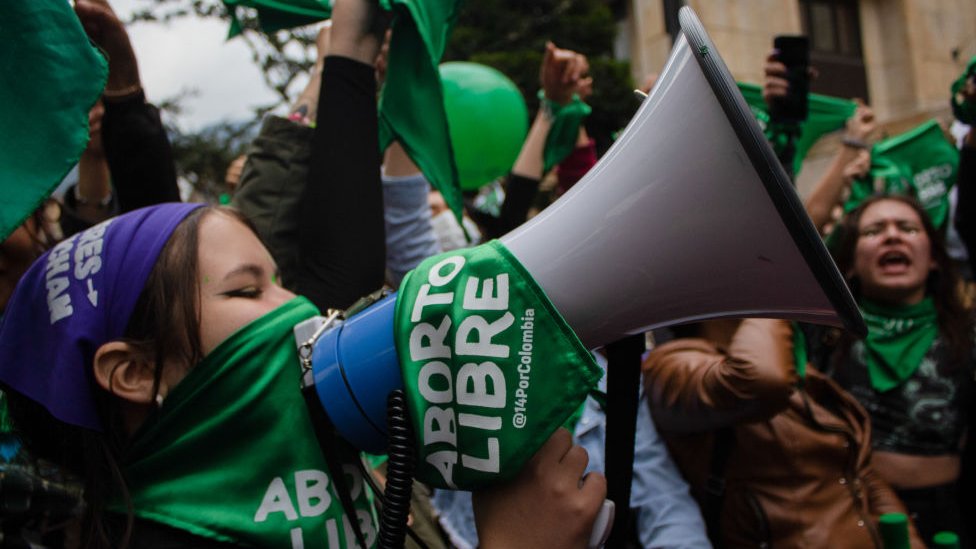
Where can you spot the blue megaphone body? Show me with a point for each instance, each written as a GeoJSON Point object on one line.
{"type": "Point", "coordinates": [354, 368]}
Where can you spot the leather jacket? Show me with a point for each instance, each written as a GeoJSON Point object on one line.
{"type": "Point", "coordinates": [798, 469]}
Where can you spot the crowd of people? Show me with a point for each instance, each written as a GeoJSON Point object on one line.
{"type": "Point", "coordinates": [169, 414]}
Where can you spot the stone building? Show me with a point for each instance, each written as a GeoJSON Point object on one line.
{"type": "Point", "coordinates": [898, 55]}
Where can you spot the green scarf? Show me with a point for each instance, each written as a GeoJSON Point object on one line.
{"type": "Point", "coordinates": [564, 132]}
{"type": "Point", "coordinates": [54, 76]}
{"type": "Point", "coordinates": [232, 454]}
{"type": "Point", "coordinates": [800, 355]}
{"type": "Point", "coordinates": [898, 338]}
{"type": "Point", "coordinates": [490, 367]}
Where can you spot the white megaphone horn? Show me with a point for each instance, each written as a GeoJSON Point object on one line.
{"type": "Point", "coordinates": [689, 216]}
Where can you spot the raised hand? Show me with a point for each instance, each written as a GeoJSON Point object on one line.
{"type": "Point", "coordinates": [563, 73]}
{"type": "Point", "coordinates": [775, 84]}
{"type": "Point", "coordinates": [107, 31]}
{"type": "Point", "coordinates": [862, 124]}
{"type": "Point", "coordinates": [358, 30]}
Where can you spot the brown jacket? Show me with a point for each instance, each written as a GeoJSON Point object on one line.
{"type": "Point", "coordinates": [799, 473]}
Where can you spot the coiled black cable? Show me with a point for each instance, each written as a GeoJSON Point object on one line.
{"type": "Point", "coordinates": [399, 473]}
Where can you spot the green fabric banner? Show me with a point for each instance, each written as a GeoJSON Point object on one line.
{"type": "Point", "coordinates": [826, 114]}
{"type": "Point", "coordinates": [54, 76]}
{"type": "Point", "coordinates": [920, 162]}
{"type": "Point", "coordinates": [490, 367]}
{"type": "Point", "coordinates": [412, 101]}
{"type": "Point", "coordinates": [232, 455]}
{"type": "Point", "coordinates": [276, 15]}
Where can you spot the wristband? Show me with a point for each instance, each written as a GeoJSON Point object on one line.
{"type": "Point", "coordinates": [550, 109]}
{"type": "Point", "coordinates": [103, 203]}
{"type": "Point", "coordinates": [123, 93]}
{"type": "Point", "coordinates": [854, 143]}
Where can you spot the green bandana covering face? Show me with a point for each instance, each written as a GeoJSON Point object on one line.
{"type": "Point", "coordinates": [490, 367]}
{"type": "Point", "coordinates": [920, 162]}
{"type": "Point", "coordinates": [898, 338]}
{"type": "Point", "coordinates": [232, 454]}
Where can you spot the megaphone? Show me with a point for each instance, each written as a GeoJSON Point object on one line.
{"type": "Point", "coordinates": [689, 216]}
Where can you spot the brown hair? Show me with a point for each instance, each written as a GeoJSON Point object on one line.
{"type": "Point", "coordinates": [943, 283]}
{"type": "Point", "coordinates": [164, 326]}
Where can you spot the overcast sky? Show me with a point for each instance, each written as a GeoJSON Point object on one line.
{"type": "Point", "coordinates": [194, 54]}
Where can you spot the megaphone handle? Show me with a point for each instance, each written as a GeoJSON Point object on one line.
{"type": "Point", "coordinates": [326, 437]}
{"type": "Point", "coordinates": [602, 525]}
{"type": "Point", "coordinates": [623, 392]}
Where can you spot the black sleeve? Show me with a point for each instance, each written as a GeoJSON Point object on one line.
{"type": "Point", "coordinates": [139, 155]}
{"type": "Point", "coordinates": [966, 201]}
{"type": "Point", "coordinates": [341, 233]}
{"type": "Point", "coordinates": [519, 194]}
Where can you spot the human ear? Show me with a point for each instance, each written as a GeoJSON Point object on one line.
{"type": "Point", "coordinates": [121, 369]}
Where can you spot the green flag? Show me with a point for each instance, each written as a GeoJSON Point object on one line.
{"type": "Point", "coordinates": [54, 76]}
{"type": "Point", "coordinates": [920, 162]}
{"type": "Point", "coordinates": [412, 101]}
{"type": "Point", "coordinates": [826, 114]}
{"type": "Point", "coordinates": [275, 15]}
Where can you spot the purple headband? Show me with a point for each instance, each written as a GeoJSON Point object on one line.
{"type": "Point", "coordinates": [74, 298]}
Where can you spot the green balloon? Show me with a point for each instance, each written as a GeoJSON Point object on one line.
{"type": "Point", "coordinates": [488, 121]}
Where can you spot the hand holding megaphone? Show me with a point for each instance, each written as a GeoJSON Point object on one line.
{"type": "Point", "coordinates": [550, 503]}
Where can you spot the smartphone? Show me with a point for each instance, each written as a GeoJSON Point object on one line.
{"type": "Point", "coordinates": [794, 52]}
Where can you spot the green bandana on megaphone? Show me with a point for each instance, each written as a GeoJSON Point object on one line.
{"type": "Point", "coordinates": [232, 454]}
{"type": "Point", "coordinates": [898, 338]}
{"type": "Point", "coordinates": [490, 367]}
